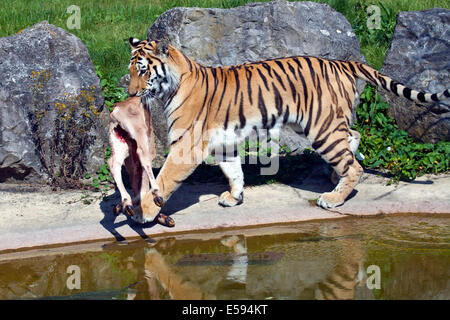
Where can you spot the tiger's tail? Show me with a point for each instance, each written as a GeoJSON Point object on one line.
{"type": "Point", "coordinates": [371, 75]}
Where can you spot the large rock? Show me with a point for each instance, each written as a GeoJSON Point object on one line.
{"type": "Point", "coordinates": [258, 31]}
{"type": "Point", "coordinates": [255, 32]}
{"type": "Point", "coordinates": [52, 121]}
{"type": "Point", "coordinates": [419, 58]}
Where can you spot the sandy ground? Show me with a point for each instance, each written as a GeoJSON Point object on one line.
{"type": "Point", "coordinates": [34, 216]}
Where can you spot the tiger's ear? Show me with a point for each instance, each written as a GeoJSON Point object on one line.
{"type": "Point", "coordinates": [134, 42]}
{"type": "Point", "coordinates": [162, 47]}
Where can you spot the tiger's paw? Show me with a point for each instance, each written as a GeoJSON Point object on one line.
{"type": "Point", "coordinates": [227, 200]}
{"type": "Point", "coordinates": [330, 200]}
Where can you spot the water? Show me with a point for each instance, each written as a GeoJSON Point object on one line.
{"type": "Point", "coordinates": [337, 259]}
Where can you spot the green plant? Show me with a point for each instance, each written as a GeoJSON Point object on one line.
{"type": "Point", "coordinates": [111, 92]}
{"type": "Point", "coordinates": [389, 148]}
{"type": "Point", "coordinates": [249, 147]}
{"type": "Point", "coordinates": [102, 180]}
{"type": "Point", "coordinates": [86, 199]}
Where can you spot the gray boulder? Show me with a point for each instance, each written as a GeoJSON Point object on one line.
{"type": "Point", "coordinates": [419, 58]}
{"type": "Point", "coordinates": [52, 121]}
{"type": "Point", "coordinates": [258, 31]}
{"type": "Point", "coordinates": [255, 32]}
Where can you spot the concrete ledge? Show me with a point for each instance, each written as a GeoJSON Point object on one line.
{"type": "Point", "coordinates": [30, 218]}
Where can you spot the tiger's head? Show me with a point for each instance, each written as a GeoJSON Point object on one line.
{"type": "Point", "coordinates": [150, 74]}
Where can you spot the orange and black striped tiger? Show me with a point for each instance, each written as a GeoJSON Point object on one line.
{"type": "Point", "coordinates": [209, 108]}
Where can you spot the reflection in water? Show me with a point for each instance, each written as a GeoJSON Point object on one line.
{"type": "Point", "coordinates": [238, 271]}
{"type": "Point", "coordinates": [314, 260]}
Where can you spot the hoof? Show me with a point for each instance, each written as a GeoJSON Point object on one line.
{"type": "Point", "coordinates": [117, 209]}
{"type": "Point", "coordinates": [129, 210]}
{"type": "Point", "coordinates": [158, 201]}
{"type": "Point", "coordinates": [165, 220]}
{"type": "Point", "coordinates": [123, 207]}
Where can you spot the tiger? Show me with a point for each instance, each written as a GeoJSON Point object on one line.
{"type": "Point", "coordinates": [223, 105]}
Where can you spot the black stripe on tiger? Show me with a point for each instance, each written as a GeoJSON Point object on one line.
{"type": "Point", "coordinates": [407, 93]}
{"type": "Point", "coordinates": [319, 109]}
{"type": "Point", "coordinates": [278, 100]}
{"type": "Point", "coordinates": [421, 97]}
{"type": "Point", "coordinates": [311, 70]}
{"type": "Point", "coordinates": [305, 95]}
{"type": "Point", "coordinates": [172, 123]}
{"type": "Point", "coordinates": [293, 90]}
{"type": "Point", "coordinates": [262, 108]}
{"type": "Point", "coordinates": [274, 120]}
{"type": "Point", "coordinates": [350, 161]}
{"type": "Point", "coordinates": [206, 78]}
{"type": "Point", "coordinates": [238, 85]}
{"type": "Point", "coordinates": [318, 143]}
{"type": "Point", "coordinates": [225, 124]}
{"type": "Point", "coordinates": [280, 64]}
{"type": "Point", "coordinates": [277, 76]}
{"type": "Point", "coordinates": [338, 155]}
{"type": "Point", "coordinates": [241, 112]}
{"type": "Point", "coordinates": [331, 146]}
{"type": "Point", "coordinates": [292, 70]}
{"type": "Point", "coordinates": [267, 67]}
{"type": "Point", "coordinates": [321, 68]}
{"type": "Point", "coordinates": [224, 89]}
{"type": "Point", "coordinates": [394, 87]}
{"type": "Point", "coordinates": [263, 77]}
{"type": "Point", "coordinates": [286, 115]}
{"type": "Point", "coordinates": [216, 84]}
{"type": "Point", "coordinates": [326, 124]}
{"type": "Point", "coordinates": [248, 74]}
{"type": "Point", "coordinates": [181, 136]}
{"type": "Point", "coordinates": [203, 71]}
{"type": "Point", "coordinates": [310, 113]}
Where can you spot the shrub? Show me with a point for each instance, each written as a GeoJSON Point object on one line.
{"type": "Point", "coordinates": [389, 148]}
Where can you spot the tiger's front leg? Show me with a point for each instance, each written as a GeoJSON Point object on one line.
{"type": "Point", "coordinates": [178, 166]}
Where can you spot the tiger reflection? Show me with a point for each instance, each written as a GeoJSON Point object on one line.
{"type": "Point", "coordinates": [237, 279]}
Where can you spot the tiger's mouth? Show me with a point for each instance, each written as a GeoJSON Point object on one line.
{"type": "Point", "coordinates": [140, 93]}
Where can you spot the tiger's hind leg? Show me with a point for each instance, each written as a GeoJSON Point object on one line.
{"type": "Point", "coordinates": [338, 153]}
{"type": "Point", "coordinates": [353, 139]}
{"type": "Point", "coordinates": [231, 167]}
